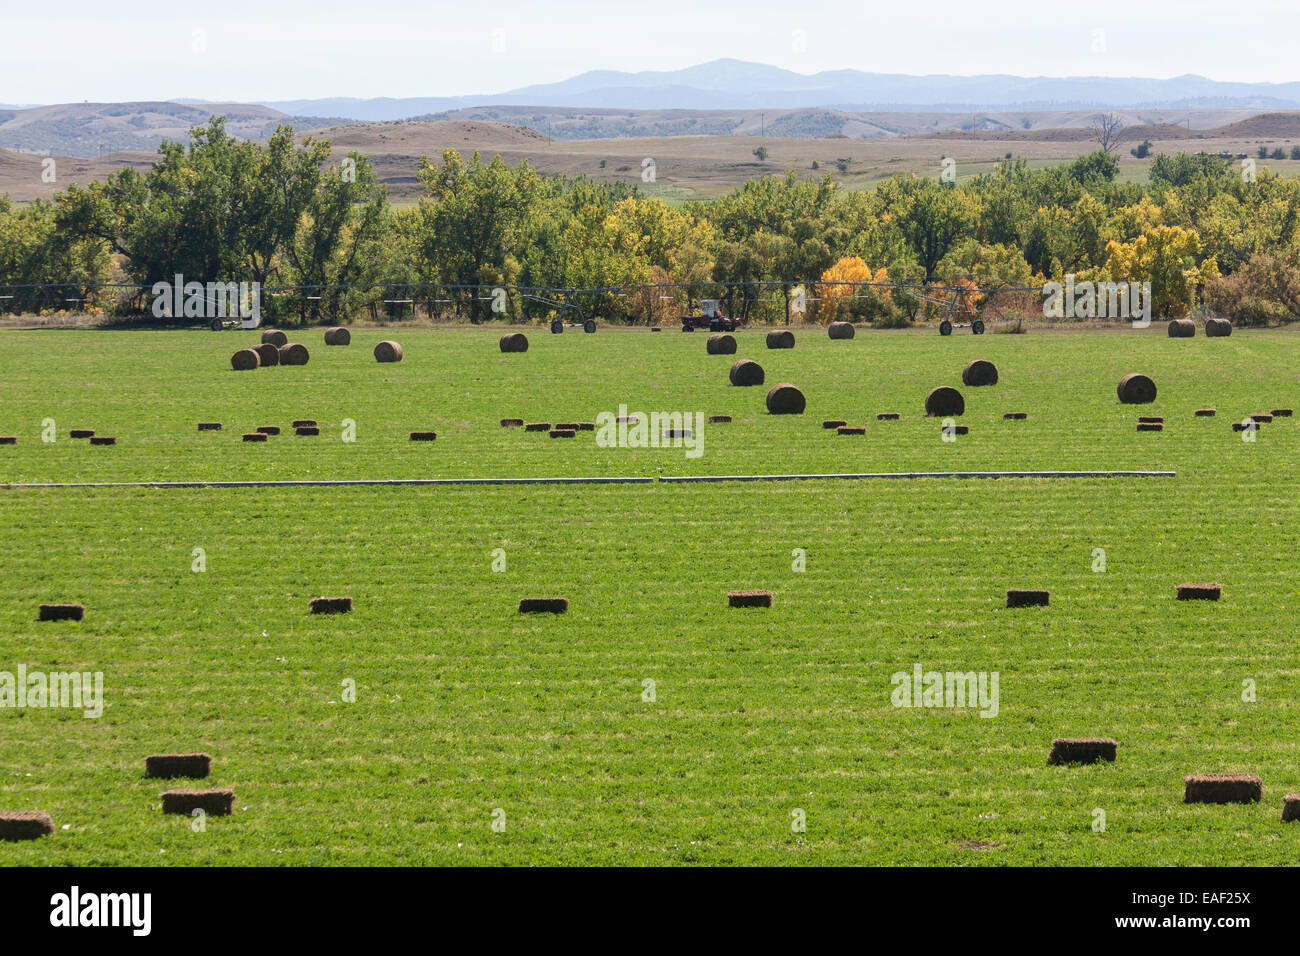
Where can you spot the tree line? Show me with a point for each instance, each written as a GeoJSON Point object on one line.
{"type": "Point", "coordinates": [1204, 232]}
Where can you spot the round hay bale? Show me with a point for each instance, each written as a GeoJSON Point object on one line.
{"type": "Point", "coordinates": [746, 372]}
{"type": "Point", "coordinates": [387, 351]}
{"type": "Point", "coordinates": [780, 339]}
{"type": "Point", "coordinates": [1182, 329]}
{"type": "Point", "coordinates": [1134, 389]}
{"type": "Point", "coordinates": [245, 360]}
{"type": "Point", "coordinates": [1217, 328]}
{"type": "Point", "coordinates": [720, 343]}
{"type": "Point", "coordinates": [840, 330]}
{"type": "Point", "coordinates": [979, 372]}
{"type": "Point", "coordinates": [338, 336]}
{"type": "Point", "coordinates": [275, 337]}
{"type": "Point", "coordinates": [268, 353]}
{"type": "Point", "coordinates": [294, 354]}
{"type": "Point", "coordinates": [785, 399]}
{"type": "Point", "coordinates": [514, 342]}
{"type": "Point", "coordinates": [944, 402]}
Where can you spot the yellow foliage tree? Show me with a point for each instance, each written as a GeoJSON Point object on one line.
{"type": "Point", "coordinates": [837, 283]}
{"type": "Point", "coordinates": [1165, 256]}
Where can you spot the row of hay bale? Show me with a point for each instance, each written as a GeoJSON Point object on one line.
{"type": "Point", "coordinates": [271, 353]}
{"type": "Point", "coordinates": [217, 802]}
{"type": "Point", "coordinates": [1186, 328]}
{"type": "Point", "coordinates": [1036, 597]}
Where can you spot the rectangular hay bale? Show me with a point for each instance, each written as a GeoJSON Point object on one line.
{"type": "Point", "coordinates": [749, 599]}
{"type": "Point", "coordinates": [308, 430]}
{"type": "Point", "coordinates": [537, 427]}
{"type": "Point", "coordinates": [834, 423]}
{"type": "Point", "coordinates": [215, 803]}
{"type": "Point", "coordinates": [851, 430]}
{"type": "Point", "coordinates": [564, 433]}
{"type": "Point", "coordinates": [1067, 750]}
{"type": "Point", "coordinates": [178, 765]}
{"type": "Point", "coordinates": [888, 417]}
{"type": "Point", "coordinates": [254, 436]}
{"type": "Point", "coordinates": [8, 439]}
{"type": "Point", "coordinates": [269, 429]}
{"type": "Point", "coordinates": [1223, 788]}
{"type": "Point", "coordinates": [1199, 592]}
{"type": "Point", "coordinates": [1027, 597]}
{"type": "Point", "coordinates": [547, 605]}
{"type": "Point", "coordinates": [81, 433]}
{"type": "Point", "coordinates": [25, 825]}
{"type": "Point", "coordinates": [61, 612]}
{"type": "Point", "coordinates": [512, 423]}
{"type": "Point", "coordinates": [719, 419]}
{"type": "Point", "coordinates": [103, 440]}
{"type": "Point", "coordinates": [209, 426]}
{"type": "Point", "coordinates": [305, 423]}
{"type": "Point", "coordinates": [1291, 807]}
{"type": "Point", "coordinates": [331, 605]}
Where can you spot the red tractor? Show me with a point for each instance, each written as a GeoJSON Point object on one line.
{"type": "Point", "coordinates": [712, 319]}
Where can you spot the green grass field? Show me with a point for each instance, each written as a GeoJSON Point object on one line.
{"type": "Point", "coordinates": [464, 707]}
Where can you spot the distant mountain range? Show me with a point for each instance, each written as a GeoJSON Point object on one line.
{"type": "Point", "coordinates": [724, 97]}
{"type": "Point", "coordinates": [736, 84]}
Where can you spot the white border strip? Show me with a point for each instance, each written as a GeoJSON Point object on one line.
{"type": "Point", "coordinates": [629, 480]}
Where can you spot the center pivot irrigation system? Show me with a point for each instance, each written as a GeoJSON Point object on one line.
{"type": "Point", "coordinates": [725, 306]}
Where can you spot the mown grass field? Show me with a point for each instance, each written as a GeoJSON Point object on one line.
{"type": "Point", "coordinates": [464, 707]}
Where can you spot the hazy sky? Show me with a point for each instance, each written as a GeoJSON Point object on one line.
{"type": "Point", "coordinates": [291, 49]}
